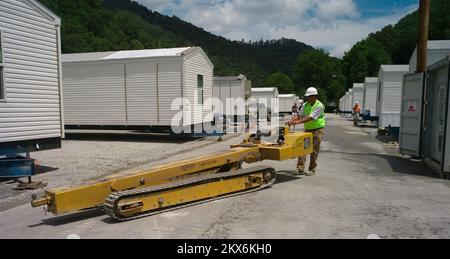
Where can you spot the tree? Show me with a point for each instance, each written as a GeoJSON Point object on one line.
{"type": "Point", "coordinates": [317, 69]}
{"type": "Point", "coordinates": [364, 60]}
{"type": "Point", "coordinates": [281, 81]}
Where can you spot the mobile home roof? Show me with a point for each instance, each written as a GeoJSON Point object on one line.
{"type": "Point", "coordinates": [371, 80]}
{"type": "Point", "coordinates": [264, 89]}
{"type": "Point", "coordinates": [44, 11]}
{"type": "Point", "coordinates": [230, 78]}
{"type": "Point", "coordinates": [439, 44]}
{"type": "Point", "coordinates": [287, 96]}
{"type": "Point", "coordinates": [395, 68]}
{"type": "Point", "coordinates": [127, 54]}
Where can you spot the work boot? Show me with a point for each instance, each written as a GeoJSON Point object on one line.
{"type": "Point", "coordinates": [311, 173]}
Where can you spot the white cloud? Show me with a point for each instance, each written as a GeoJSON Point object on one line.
{"type": "Point", "coordinates": [340, 50]}
{"type": "Point", "coordinates": [332, 24]}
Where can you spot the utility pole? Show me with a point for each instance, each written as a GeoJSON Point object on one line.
{"type": "Point", "coordinates": [422, 39]}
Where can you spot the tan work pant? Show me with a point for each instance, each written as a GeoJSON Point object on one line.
{"type": "Point", "coordinates": [317, 140]}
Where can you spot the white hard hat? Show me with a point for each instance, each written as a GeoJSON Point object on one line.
{"type": "Point", "coordinates": [357, 102]}
{"type": "Point", "coordinates": [311, 92]}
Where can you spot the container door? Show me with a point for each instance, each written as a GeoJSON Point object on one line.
{"type": "Point", "coordinates": [439, 121]}
{"type": "Point", "coordinates": [411, 114]}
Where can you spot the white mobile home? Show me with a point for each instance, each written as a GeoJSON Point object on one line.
{"type": "Point", "coordinates": [30, 76]}
{"type": "Point", "coordinates": [425, 128]}
{"type": "Point", "coordinates": [358, 94]}
{"type": "Point", "coordinates": [232, 88]}
{"type": "Point", "coordinates": [437, 50]}
{"type": "Point", "coordinates": [267, 100]}
{"type": "Point", "coordinates": [350, 103]}
{"type": "Point", "coordinates": [370, 96]}
{"type": "Point", "coordinates": [390, 80]}
{"type": "Point", "coordinates": [345, 103]}
{"type": "Point", "coordinates": [286, 102]}
{"type": "Point", "coordinates": [137, 89]}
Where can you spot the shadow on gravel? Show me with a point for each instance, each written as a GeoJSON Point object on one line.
{"type": "Point", "coordinates": [399, 165]}
{"type": "Point", "coordinates": [128, 137]}
{"type": "Point", "coordinates": [286, 176]}
{"type": "Point", "coordinates": [386, 139]}
{"type": "Point", "coordinates": [71, 218]}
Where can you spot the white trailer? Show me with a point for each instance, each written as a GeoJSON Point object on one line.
{"type": "Point", "coordinates": [286, 102]}
{"type": "Point", "coordinates": [358, 94]}
{"type": "Point", "coordinates": [345, 103]}
{"type": "Point", "coordinates": [437, 50]}
{"type": "Point", "coordinates": [30, 77]}
{"type": "Point", "coordinates": [267, 100]}
{"type": "Point", "coordinates": [230, 90]}
{"type": "Point", "coordinates": [390, 79]}
{"type": "Point", "coordinates": [350, 103]}
{"type": "Point", "coordinates": [137, 89]}
{"type": "Point", "coordinates": [425, 129]}
{"type": "Point", "coordinates": [370, 96]}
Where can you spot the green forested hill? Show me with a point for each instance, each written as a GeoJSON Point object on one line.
{"type": "Point", "coordinates": [104, 25]}
{"type": "Point", "coordinates": [394, 44]}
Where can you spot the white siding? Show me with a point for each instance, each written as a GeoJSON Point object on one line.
{"type": "Point", "coordinates": [350, 103]}
{"type": "Point", "coordinates": [31, 71]}
{"type": "Point", "coordinates": [389, 104]}
{"type": "Point", "coordinates": [434, 55]}
{"type": "Point", "coordinates": [197, 64]}
{"type": "Point", "coordinates": [99, 94]}
{"type": "Point", "coordinates": [94, 94]}
{"type": "Point", "coordinates": [224, 89]}
{"type": "Point", "coordinates": [358, 94]}
{"type": "Point", "coordinates": [370, 96]}
{"type": "Point", "coordinates": [170, 88]}
{"type": "Point", "coordinates": [142, 94]}
{"type": "Point", "coordinates": [286, 103]}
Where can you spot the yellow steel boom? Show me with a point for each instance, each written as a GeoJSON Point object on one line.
{"type": "Point", "coordinates": [141, 193]}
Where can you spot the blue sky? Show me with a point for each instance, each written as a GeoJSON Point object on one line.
{"type": "Point", "coordinates": [374, 8]}
{"type": "Point", "coordinates": [335, 25]}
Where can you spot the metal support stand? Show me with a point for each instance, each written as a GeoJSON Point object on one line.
{"type": "Point", "coordinates": [14, 165]}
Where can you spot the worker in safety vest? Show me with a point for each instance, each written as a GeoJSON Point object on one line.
{"type": "Point", "coordinates": [312, 115]}
{"type": "Point", "coordinates": [356, 113]}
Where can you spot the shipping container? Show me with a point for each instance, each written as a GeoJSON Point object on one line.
{"type": "Point", "coordinates": [425, 129]}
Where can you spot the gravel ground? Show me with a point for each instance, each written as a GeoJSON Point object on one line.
{"type": "Point", "coordinates": [89, 156]}
{"type": "Point", "coordinates": [361, 189]}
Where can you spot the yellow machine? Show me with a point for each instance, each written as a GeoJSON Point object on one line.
{"type": "Point", "coordinates": [144, 193]}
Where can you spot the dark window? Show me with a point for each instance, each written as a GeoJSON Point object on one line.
{"type": "Point", "coordinates": [2, 78]}
{"type": "Point", "coordinates": [200, 89]}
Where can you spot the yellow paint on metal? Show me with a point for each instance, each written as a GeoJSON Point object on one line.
{"type": "Point", "coordinates": [180, 196]}
{"type": "Point", "coordinates": [296, 145]}
{"type": "Point", "coordinates": [66, 200]}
